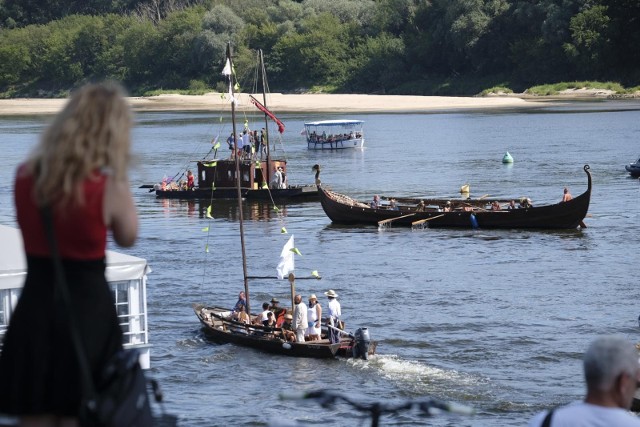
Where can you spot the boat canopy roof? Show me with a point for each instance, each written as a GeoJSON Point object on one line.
{"type": "Point", "coordinates": [335, 123]}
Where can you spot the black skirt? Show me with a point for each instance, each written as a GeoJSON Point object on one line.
{"type": "Point", "coordinates": [39, 371]}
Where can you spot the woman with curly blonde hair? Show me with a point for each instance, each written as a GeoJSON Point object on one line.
{"type": "Point", "coordinates": [79, 170]}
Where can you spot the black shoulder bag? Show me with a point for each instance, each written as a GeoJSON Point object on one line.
{"type": "Point", "coordinates": [123, 399]}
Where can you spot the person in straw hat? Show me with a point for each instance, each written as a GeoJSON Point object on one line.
{"type": "Point", "coordinates": [334, 314]}
{"type": "Point", "coordinates": [314, 317]}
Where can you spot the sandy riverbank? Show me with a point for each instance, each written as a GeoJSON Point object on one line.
{"type": "Point", "coordinates": [280, 103]}
{"type": "Point", "coordinates": [306, 103]}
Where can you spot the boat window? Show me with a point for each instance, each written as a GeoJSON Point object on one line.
{"type": "Point", "coordinates": [130, 308]}
{"type": "Point", "coordinates": [8, 300]}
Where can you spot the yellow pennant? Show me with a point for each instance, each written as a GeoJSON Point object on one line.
{"type": "Point", "coordinates": [209, 212]}
{"type": "Point", "coordinates": [275, 209]}
{"type": "Point", "coordinates": [315, 273]}
{"type": "Point", "coordinates": [206, 248]}
{"type": "Point", "coordinates": [283, 230]}
{"type": "Point", "coordinates": [295, 251]}
{"type": "Point", "coordinates": [205, 229]}
{"type": "Point", "coordinates": [257, 163]}
{"type": "Point", "coordinates": [215, 147]}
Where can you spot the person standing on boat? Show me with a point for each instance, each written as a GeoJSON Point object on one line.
{"type": "Point", "coordinates": [300, 324]}
{"type": "Point", "coordinates": [78, 170]}
{"type": "Point", "coordinates": [190, 180]}
{"type": "Point", "coordinates": [375, 203]}
{"type": "Point", "coordinates": [232, 145]}
{"type": "Point", "coordinates": [246, 143]}
{"type": "Point", "coordinates": [314, 316]}
{"type": "Point", "coordinates": [566, 195]}
{"type": "Point", "coordinates": [263, 143]}
{"type": "Point", "coordinates": [276, 181]}
{"type": "Point", "coordinates": [612, 373]}
{"type": "Point", "coordinates": [240, 146]}
{"type": "Point", "coordinates": [335, 313]}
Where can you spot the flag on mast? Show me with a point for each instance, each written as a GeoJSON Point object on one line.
{"type": "Point", "coordinates": [287, 263]}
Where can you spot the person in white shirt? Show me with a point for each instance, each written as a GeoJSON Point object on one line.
{"type": "Point", "coordinates": [335, 313]}
{"type": "Point", "coordinates": [612, 374]}
{"type": "Point", "coordinates": [300, 324]}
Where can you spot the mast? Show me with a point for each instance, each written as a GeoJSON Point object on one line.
{"type": "Point", "coordinates": [266, 123]}
{"type": "Point", "coordinates": [235, 136]}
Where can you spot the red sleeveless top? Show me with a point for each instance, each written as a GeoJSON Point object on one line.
{"type": "Point", "coordinates": [80, 231]}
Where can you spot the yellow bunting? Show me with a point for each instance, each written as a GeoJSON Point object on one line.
{"type": "Point", "coordinates": [205, 229]}
{"type": "Point", "coordinates": [295, 251]}
{"type": "Point", "coordinates": [236, 87]}
{"type": "Point", "coordinates": [257, 163]}
{"type": "Point", "coordinates": [246, 124]}
{"type": "Point", "coordinates": [315, 273]}
{"type": "Point", "coordinates": [215, 147]}
{"type": "Point", "coordinates": [264, 186]}
{"type": "Point", "coordinates": [209, 212]}
{"type": "Point", "coordinates": [283, 230]}
{"type": "Point", "coordinates": [206, 248]}
{"type": "Point", "coordinates": [275, 209]}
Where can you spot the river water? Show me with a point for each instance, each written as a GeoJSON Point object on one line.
{"type": "Point", "coordinates": [497, 320]}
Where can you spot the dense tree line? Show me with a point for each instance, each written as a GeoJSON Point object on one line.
{"type": "Point", "coordinates": [367, 46]}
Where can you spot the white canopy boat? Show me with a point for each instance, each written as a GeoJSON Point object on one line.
{"type": "Point", "coordinates": [334, 134]}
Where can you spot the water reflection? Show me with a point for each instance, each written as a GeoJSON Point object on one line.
{"type": "Point", "coordinates": [223, 209]}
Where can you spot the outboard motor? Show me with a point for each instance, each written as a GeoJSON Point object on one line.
{"type": "Point", "coordinates": [361, 345]}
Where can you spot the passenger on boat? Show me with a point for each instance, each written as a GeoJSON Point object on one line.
{"type": "Point", "coordinates": [393, 206]}
{"type": "Point", "coordinates": [262, 317]}
{"type": "Point", "coordinates": [495, 206]}
{"type": "Point", "coordinates": [277, 180]}
{"type": "Point", "coordinates": [512, 205]}
{"type": "Point", "coordinates": [525, 202]}
{"type": "Point", "coordinates": [447, 206]}
{"type": "Point", "coordinates": [314, 316]}
{"type": "Point", "coordinates": [612, 373]}
{"type": "Point", "coordinates": [335, 313]}
{"type": "Point", "coordinates": [242, 317]}
{"type": "Point", "coordinates": [567, 196]}
{"type": "Point", "coordinates": [240, 145]}
{"type": "Point", "coordinates": [190, 180]}
{"type": "Point", "coordinates": [420, 207]}
{"type": "Point", "coordinates": [246, 143]}
{"type": "Point", "coordinates": [231, 144]}
{"type": "Point", "coordinates": [278, 311]}
{"type": "Point", "coordinates": [270, 323]}
{"type": "Point", "coordinates": [284, 184]}
{"type": "Point", "coordinates": [300, 324]}
{"type": "Point", "coordinates": [242, 302]}
{"type": "Point", "coordinates": [375, 203]}
{"type": "Point", "coordinates": [287, 328]}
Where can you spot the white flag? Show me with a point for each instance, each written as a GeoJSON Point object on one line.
{"type": "Point", "coordinates": [286, 264]}
{"type": "Point", "coordinates": [227, 68]}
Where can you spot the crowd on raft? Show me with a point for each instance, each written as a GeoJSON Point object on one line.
{"type": "Point", "coordinates": [495, 205]}
{"type": "Point", "coordinates": [314, 137]}
{"type": "Point", "coordinates": [301, 324]}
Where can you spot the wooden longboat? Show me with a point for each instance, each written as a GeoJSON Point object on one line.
{"type": "Point", "coordinates": [221, 329]}
{"type": "Point", "coordinates": [342, 209]}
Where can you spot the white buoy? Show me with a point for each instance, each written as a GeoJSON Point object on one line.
{"type": "Point", "coordinates": [507, 158]}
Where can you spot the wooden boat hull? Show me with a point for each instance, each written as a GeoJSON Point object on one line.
{"type": "Point", "coordinates": [336, 145]}
{"type": "Point", "coordinates": [223, 331]}
{"type": "Point", "coordinates": [342, 209]}
{"type": "Point", "coordinates": [293, 193]}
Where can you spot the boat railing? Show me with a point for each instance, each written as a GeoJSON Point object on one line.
{"type": "Point", "coordinates": [375, 409]}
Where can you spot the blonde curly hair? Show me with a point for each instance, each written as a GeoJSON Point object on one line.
{"type": "Point", "coordinates": [92, 133]}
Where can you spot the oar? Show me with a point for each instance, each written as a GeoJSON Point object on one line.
{"type": "Point", "coordinates": [146, 186]}
{"type": "Point", "coordinates": [385, 221]}
{"type": "Point", "coordinates": [482, 197]}
{"type": "Point", "coordinates": [422, 221]}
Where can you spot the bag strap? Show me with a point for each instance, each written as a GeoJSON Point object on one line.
{"type": "Point", "coordinates": [62, 288]}
{"type": "Point", "coordinates": [547, 420]}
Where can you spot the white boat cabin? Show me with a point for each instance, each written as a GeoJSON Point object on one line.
{"type": "Point", "coordinates": [334, 134]}
{"type": "Point", "coordinates": [127, 277]}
